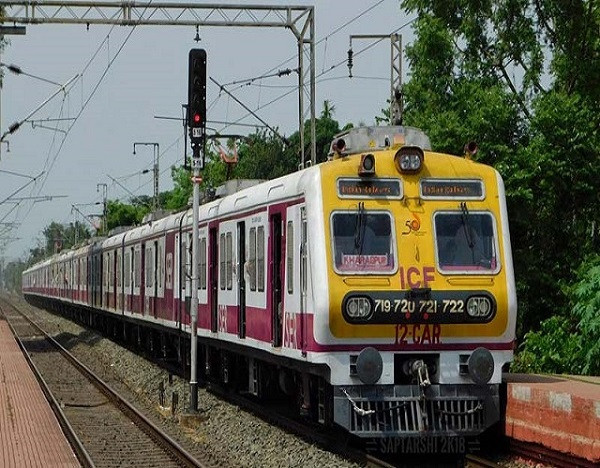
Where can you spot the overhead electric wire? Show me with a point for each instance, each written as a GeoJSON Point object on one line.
{"type": "Point", "coordinates": [92, 93]}
{"type": "Point", "coordinates": [335, 31]}
{"type": "Point", "coordinates": [295, 88]}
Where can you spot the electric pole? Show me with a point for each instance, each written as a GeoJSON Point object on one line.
{"type": "Point", "coordinates": [298, 19]}
{"type": "Point", "coordinates": [396, 107]}
{"type": "Point", "coordinates": [156, 152]}
{"type": "Point", "coordinates": [104, 194]}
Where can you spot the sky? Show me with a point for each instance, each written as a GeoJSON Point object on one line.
{"type": "Point", "coordinates": [126, 79]}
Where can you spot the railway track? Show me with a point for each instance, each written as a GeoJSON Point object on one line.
{"type": "Point", "coordinates": [103, 428]}
{"type": "Point", "coordinates": [335, 442]}
{"type": "Point", "coordinates": [539, 454]}
{"type": "Point", "coordinates": [311, 432]}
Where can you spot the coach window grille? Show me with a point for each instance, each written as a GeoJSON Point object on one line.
{"type": "Point", "coordinates": [229, 259]}
{"type": "Point", "coordinates": [188, 264]}
{"type": "Point", "coordinates": [290, 257]}
{"type": "Point", "coordinates": [149, 269]}
{"type": "Point", "coordinates": [159, 264]}
{"type": "Point", "coordinates": [202, 266]}
{"type": "Point", "coordinates": [252, 260]}
{"type": "Point", "coordinates": [138, 269]}
{"type": "Point", "coordinates": [260, 258]}
{"type": "Point", "coordinates": [127, 269]}
{"type": "Point", "coordinates": [222, 261]}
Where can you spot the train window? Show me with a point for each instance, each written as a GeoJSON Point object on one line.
{"type": "Point", "coordinates": [127, 269]}
{"type": "Point", "coordinates": [251, 267]}
{"type": "Point", "coordinates": [202, 266]}
{"type": "Point", "coordinates": [222, 261]}
{"type": "Point", "coordinates": [290, 257]}
{"type": "Point", "coordinates": [260, 258]}
{"type": "Point", "coordinates": [363, 242]}
{"type": "Point", "coordinates": [137, 268]}
{"type": "Point", "coordinates": [111, 275]}
{"type": "Point", "coordinates": [465, 242]}
{"type": "Point", "coordinates": [159, 264]}
{"type": "Point", "coordinates": [149, 274]}
{"type": "Point", "coordinates": [119, 269]}
{"type": "Point", "coordinates": [229, 260]}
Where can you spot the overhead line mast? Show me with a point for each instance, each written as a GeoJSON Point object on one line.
{"type": "Point", "coordinates": [299, 19]}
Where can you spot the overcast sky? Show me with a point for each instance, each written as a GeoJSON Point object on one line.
{"type": "Point", "coordinates": [149, 78]}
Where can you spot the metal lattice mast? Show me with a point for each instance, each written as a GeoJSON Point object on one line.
{"type": "Point", "coordinates": [396, 80]}
{"type": "Point", "coordinates": [299, 19]}
{"type": "Point", "coordinates": [395, 71]}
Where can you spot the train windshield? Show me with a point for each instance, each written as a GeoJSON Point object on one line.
{"type": "Point", "coordinates": [465, 242]}
{"type": "Point", "coordinates": [363, 242]}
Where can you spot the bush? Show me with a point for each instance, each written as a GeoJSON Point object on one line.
{"type": "Point", "coordinates": [553, 349]}
{"type": "Point", "coordinates": [568, 344]}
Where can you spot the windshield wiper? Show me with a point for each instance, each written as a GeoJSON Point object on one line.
{"type": "Point", "coordinates": [467, 227]}
{"type": "Point", "coordinates": [359, 229]}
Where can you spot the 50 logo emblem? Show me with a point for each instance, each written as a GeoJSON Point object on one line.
{"type": "Point", "coordinates": [412, 225]}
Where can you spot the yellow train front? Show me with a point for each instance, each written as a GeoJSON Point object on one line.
{"type": "Point", "coordinates": [413, 284]}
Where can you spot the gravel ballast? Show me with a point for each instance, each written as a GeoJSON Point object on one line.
{"type": "Point", "coordinates": [223, 434]}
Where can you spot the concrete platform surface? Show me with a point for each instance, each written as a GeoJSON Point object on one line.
{"type": "Point", "coordinates": [30, 435]}
{"type": "Point", "coordinates": [561, 412]}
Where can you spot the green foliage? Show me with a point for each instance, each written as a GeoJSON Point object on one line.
{"type": "Point", "coordinates": [568, 344]}
{"type": "Point", "coordinates": [586, 308]}
{"type": "Point", "coordinates": [11, 275]}
{"type": "Point", "coordinates": [177, 198]}
{"type": "Point", "coordinates": [555, 348]}
{"type": "Point", "coordinates": [59, 237]}
{"type": "Point", "coordinates": [538, 127]}
{"type": "Point", "coordinates": [122, 214]}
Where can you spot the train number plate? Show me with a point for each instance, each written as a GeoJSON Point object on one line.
{"type": "Point", "coordinates": [396, 307]}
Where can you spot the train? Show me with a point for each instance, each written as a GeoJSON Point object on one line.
{"type": "Point", "coordinates": [374, 290]}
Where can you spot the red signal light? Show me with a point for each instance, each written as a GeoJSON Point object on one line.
{"type": "Point", "coordinates": [196, 118]}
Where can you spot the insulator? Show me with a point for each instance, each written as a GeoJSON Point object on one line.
{"type": "Point", "coordinates": [350, 62]}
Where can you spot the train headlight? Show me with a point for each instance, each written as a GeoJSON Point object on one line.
{"type": "Point", "coordinates": [409, 159]}
{"type": "Point", "coordinates": [359, 307]}
{"type": "Point", "coordinates": [481, 366]}
{"type": "Point", "coordinates": [369, 365]}
{"type": "Point", "coordinates": [479, 306]}
{"type": "Point", "coordinates": [367, 165]}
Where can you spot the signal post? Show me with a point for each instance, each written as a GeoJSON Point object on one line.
{"type": "Point", "coordinates": [197, 126]}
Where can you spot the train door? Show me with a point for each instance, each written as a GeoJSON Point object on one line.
{"type": "Point", "coordinates": [303, 277]}
{"type": "Point", "coordinates": [115, 279]}
{"type": "Point", "coordinates": [99, 278]}
{"type": "Point", "coordinates": [119, 287]}
{"type": "Point", "coordinates": [149, 279]}
{"type": "Point", "coordinates": [275, 279]}
{"type": "Point", "coordinates": [177, 278]}
{"type": "Point", "coordinates": [142, 273]}
{"type": "Point", "coordinates": [154, 273]}
{"type": "Point", "coordinates": [213, 275]}
{"type": "Point", "coordinates": [103, 279]}
{"type": "Point", "coordinates": [188, 273]}
{"type": "Point", "coordinates": [241, 279]}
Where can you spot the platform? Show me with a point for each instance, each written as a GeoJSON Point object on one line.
{"type": "Point", "coordinates": [30, 435]}
{"type": "Point", "coordinates": [559, 412]}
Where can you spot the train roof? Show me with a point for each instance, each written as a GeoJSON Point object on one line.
{"type": "Point", "coordinates": [378, 138]}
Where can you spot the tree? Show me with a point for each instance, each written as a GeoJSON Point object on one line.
{"type": "Point", "coordinates": [519, 77]}
{"type": "Point", "coordinates": [177, 198]}
{"type": "Point", "coordinates": [122, 214]}
{"type": "Point", "coordinates": [60, 237]}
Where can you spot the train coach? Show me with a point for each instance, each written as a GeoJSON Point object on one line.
{"type": "Point", "coordinates": [376, 289]}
